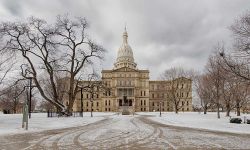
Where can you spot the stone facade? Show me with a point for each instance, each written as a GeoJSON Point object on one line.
{"type": "Point", "coordinates": [130, 88]}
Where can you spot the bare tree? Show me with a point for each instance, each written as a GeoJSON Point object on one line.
{"type": "Point", "coordinates": [13, 97]}
{"type": "Point", "coordinates": [177, 78]}
{"type": "Point", "coordinates": [60, 47]}
{"type": "Point", "coordinates": [238, 60]}
{"type": "Point", "coordinates": [228, 93]}
{"type": "Point", "coordinates": [204, 91]}
{"type": "Point", "coordinates": [216, 73]}
{"type": "Point", "coordinates": [94, 86]}
{"type": "Point", "coordinates": [240, 95]}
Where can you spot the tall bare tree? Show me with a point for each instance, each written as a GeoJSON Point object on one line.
{"type": "Point", "coordinates": [95, 87]}
{"type": "Point", "coordinates": [204, 91]}
{"type": "Point", "coordinates": [238, 59]}
{"type": "Point", "coordinates": [13, 97]}
{"type": "Point", "coordinates": [228, 93]}
{"type": "Point", "coordinates": [240, 95]}
{"type": "Point", "coordinates": [177, 78]}
{"type": "Point", "coordinates": [49, 49]}
{"type": "Point", "coordinates": [216, 73]}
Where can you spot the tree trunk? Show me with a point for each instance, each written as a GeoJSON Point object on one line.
{"type": "Point", "coordinates": [228, 113]}
{"type": "Point", "coordinates": [176, 109]}
{"type": "Point", "coordinates": [91, 108]}
{"type": "Point", "coordinates": [227, 110]}
{"type": "Point", "coordinates": [218, 111]}
{"type": "Point", "coordinates": [238, 108]}
{"type": "Point", "coordinates": [205, 110]}
{"type": "Point", "coordinates": [69, 108]}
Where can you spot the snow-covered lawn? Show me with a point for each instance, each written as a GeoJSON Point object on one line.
{"type": "Point", "coordinates": [12, 123]}
{"type": "Point", "coordinates": [201, 121]}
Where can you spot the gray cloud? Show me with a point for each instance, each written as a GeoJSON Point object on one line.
{"type": "Point", "coordinates": [162, 33]}
{"type": "Point", "coordinates": [13, 7]}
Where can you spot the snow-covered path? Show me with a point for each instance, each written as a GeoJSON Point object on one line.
{"type": "Point", "coordinates": [125, 132]}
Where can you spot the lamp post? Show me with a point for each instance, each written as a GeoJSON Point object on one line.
{"type": "Point", "coordinates": [30, 88]}
{"type": "Point", "coordinates": [91, 102]}
{"type": "Point", "coordinates": [81, 103]}
{"type": "Point", "coordinates": [160, 108]}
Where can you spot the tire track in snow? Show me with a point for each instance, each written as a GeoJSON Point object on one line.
{"type": "Point", "coordinates": [51, 140]}
{"type": "Point", "coordinates": [101, 143]}
{"type": "Point", "coordinates": [138, 142]}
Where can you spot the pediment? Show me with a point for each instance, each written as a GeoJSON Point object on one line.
{"type": "Point", "coordinates": [125, 69]}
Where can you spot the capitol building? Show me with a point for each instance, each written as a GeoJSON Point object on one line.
{"type": "Point", "coordinates": [131, 87]}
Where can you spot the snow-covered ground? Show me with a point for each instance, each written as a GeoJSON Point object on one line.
{"type": "Point", "coordinates": [200, 121]}
{"type": "Point", "coordinates": [12, 123]}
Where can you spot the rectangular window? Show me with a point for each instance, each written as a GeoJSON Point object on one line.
{"type": "Point", "coordinates": [144, 93]}
{"type": "Point", "coordinates": [87, 104]}
{"type": "Point", "coordinates": [141, 93]}
{"type": "Point", "coordinates": [144, 102]}
{"type": "Point", "coordinates": [87, 95]}
{"type": "Point", "coordinates": [153, 95]}
{"type": "Point", "coordinates": [97, 104]}
{"type": "Point", "coordinates": [141, 102]}
{"type": "Point", "coordinates": [153, 104]}
{"type": "Point", "coordinates": [105, 102]}
{"type": "Point", "coordinates": [109, 102]}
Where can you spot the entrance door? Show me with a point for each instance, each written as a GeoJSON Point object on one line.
{"type": "Point", "coordinates": [120, 102]}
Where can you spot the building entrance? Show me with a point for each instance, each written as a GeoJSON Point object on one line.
{"type": "Point", "coordinates": [125, 101]}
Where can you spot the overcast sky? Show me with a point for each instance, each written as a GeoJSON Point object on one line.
{"type": "Point", "coordinates": [162, 33]}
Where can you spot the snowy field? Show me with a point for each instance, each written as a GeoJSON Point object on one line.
{"type": "Point", "coordinates": [200, 121]}
{"type": "Point", "coordinates": [112, 131]}
{"type": "Point", "coordinates": [12, 123]}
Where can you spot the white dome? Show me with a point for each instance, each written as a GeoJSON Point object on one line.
{"type": "Point", "coordinates": [125, 52]}
{"type": "Point", "coordinates": [125, 57]}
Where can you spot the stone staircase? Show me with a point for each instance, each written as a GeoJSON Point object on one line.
{"type": "Point", "coordinates": [126, 110]}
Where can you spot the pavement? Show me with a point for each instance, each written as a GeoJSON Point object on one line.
{"type": "Point", "coordinates": [125, 132]}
